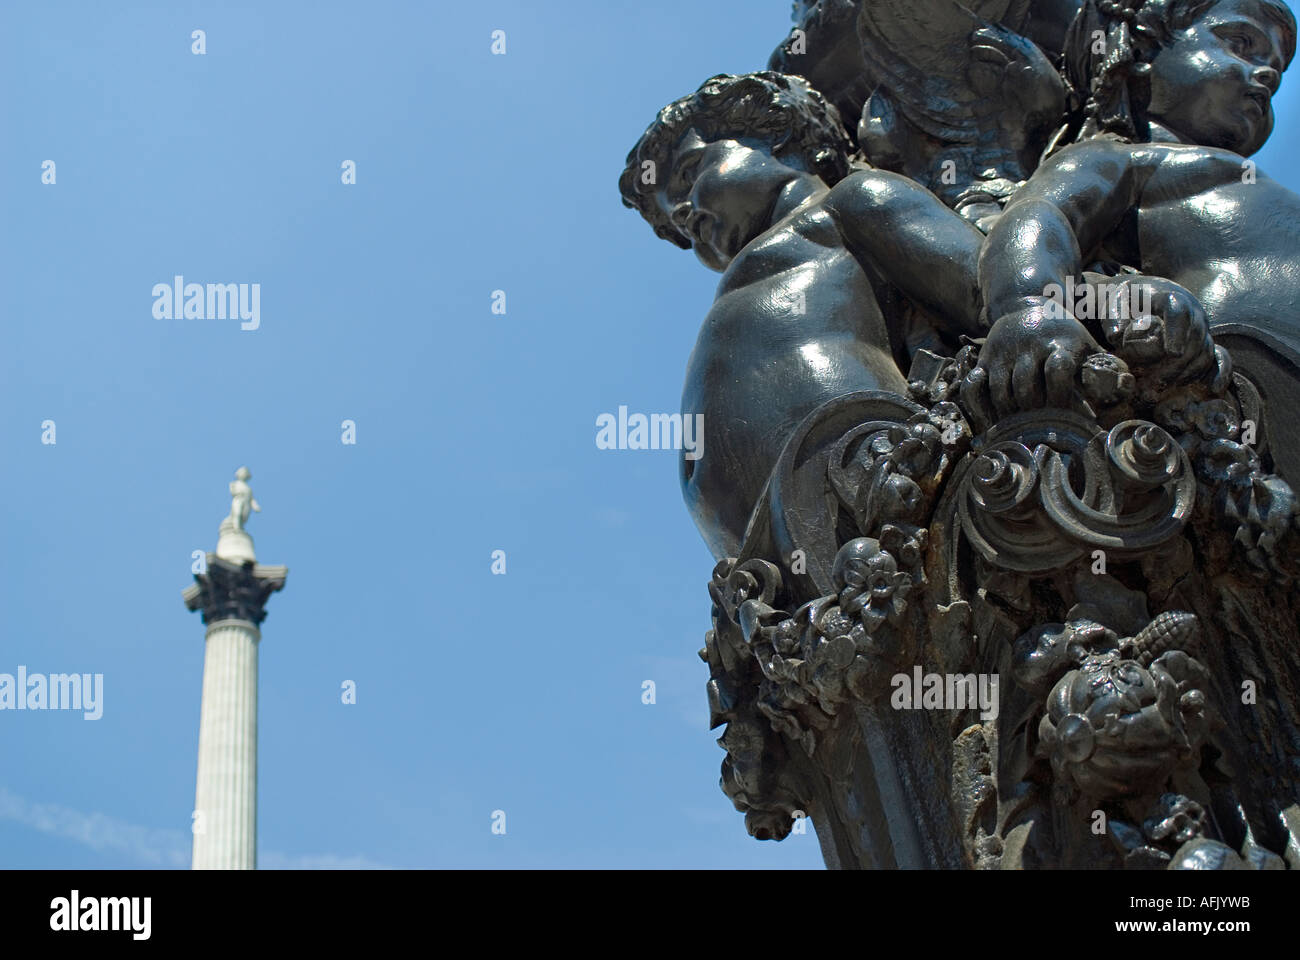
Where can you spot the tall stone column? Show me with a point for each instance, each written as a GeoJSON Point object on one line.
{"type": "Point", "coordinates": [231, 594]}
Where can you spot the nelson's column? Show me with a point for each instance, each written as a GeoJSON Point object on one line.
{"type": "Point", "coordinates": [231, 593]}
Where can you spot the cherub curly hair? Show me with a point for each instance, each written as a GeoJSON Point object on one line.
{"type": "Point", "coordinates": [1100, 85]}
{"type": "Point", "coordinates": [782, 109]}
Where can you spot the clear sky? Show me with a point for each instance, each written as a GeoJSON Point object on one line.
{"type": "Point", "coordinates": [475, 431]}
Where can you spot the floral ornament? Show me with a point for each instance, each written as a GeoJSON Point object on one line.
{"type": "Point", "coordinates": [872, 588]}
{"type": "Point", "coordinates": [734, 585]}
{"type": "Point", "coordinates": [1260, 510]}
{"type": "Point", "coordinates": [901, 467]}
{"type": "Point", "coordinates": [1181, 412]}
{"type": "Point", "coordinates": [830, 649]}
{"type": "Point", "coordinates": [1213, 419]}
{"type": "Point", "coordinates": [914, 447]}
{"type": "Point", "coordinates": [1226, 462]}
{"type": "Point", "coordinates": [906, 543]}
{"type": "Point", "coordinates": [890, 472]}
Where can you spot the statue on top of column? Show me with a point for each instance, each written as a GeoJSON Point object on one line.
{"type": "Point", "coordinates": [241, 499]}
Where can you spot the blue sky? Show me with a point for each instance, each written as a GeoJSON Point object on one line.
{"type": "Point", "coordinates": [475, 432]}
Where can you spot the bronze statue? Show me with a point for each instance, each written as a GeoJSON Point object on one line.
{"type": "Point", "coordinates": [757, 174]}
{"type": "Point", "coordinates": [1084, 498]}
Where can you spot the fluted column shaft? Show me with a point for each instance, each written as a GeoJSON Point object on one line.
{"type": "Point", "coordinates": [225, 836]}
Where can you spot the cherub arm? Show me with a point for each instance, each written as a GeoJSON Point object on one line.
{"type": "Point", "coordinates": [1047, 234]}
{"type": "Point", "coordinates": [907, 236]}
{"type": "Point", "coordinates": [1070, 204]}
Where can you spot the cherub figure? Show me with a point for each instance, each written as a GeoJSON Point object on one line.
{"type": "Point", "coordinates": [1196, 79]}
{"type": "Point", "coordinates": [755, 173]}
{"type": "Point", "coordinates": [241, 499]}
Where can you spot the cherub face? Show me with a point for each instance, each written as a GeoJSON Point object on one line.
{"type": "Point", "coordinates": [720, 193]}
{"type": "Point", "coordinates": [1213, 86]}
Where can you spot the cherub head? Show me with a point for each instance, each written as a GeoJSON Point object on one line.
{"type": "Point", "coordinates": [708, 172]}
{"type": "Point", "coordinates": [1204, 70]}
{"type": "Point", "coordinates": [242, 473]}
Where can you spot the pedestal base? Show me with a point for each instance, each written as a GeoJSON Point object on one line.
{"type": "Point", "coordinates": [234, 545]}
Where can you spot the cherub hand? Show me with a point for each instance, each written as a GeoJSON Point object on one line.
{"type": "Point", "coordinates": [1029, 361]}
{"type": "Point", "coordinates": [1170, 337]}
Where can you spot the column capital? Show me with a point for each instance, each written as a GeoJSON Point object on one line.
{"type": "Point", "coordinates": [234, 591]}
